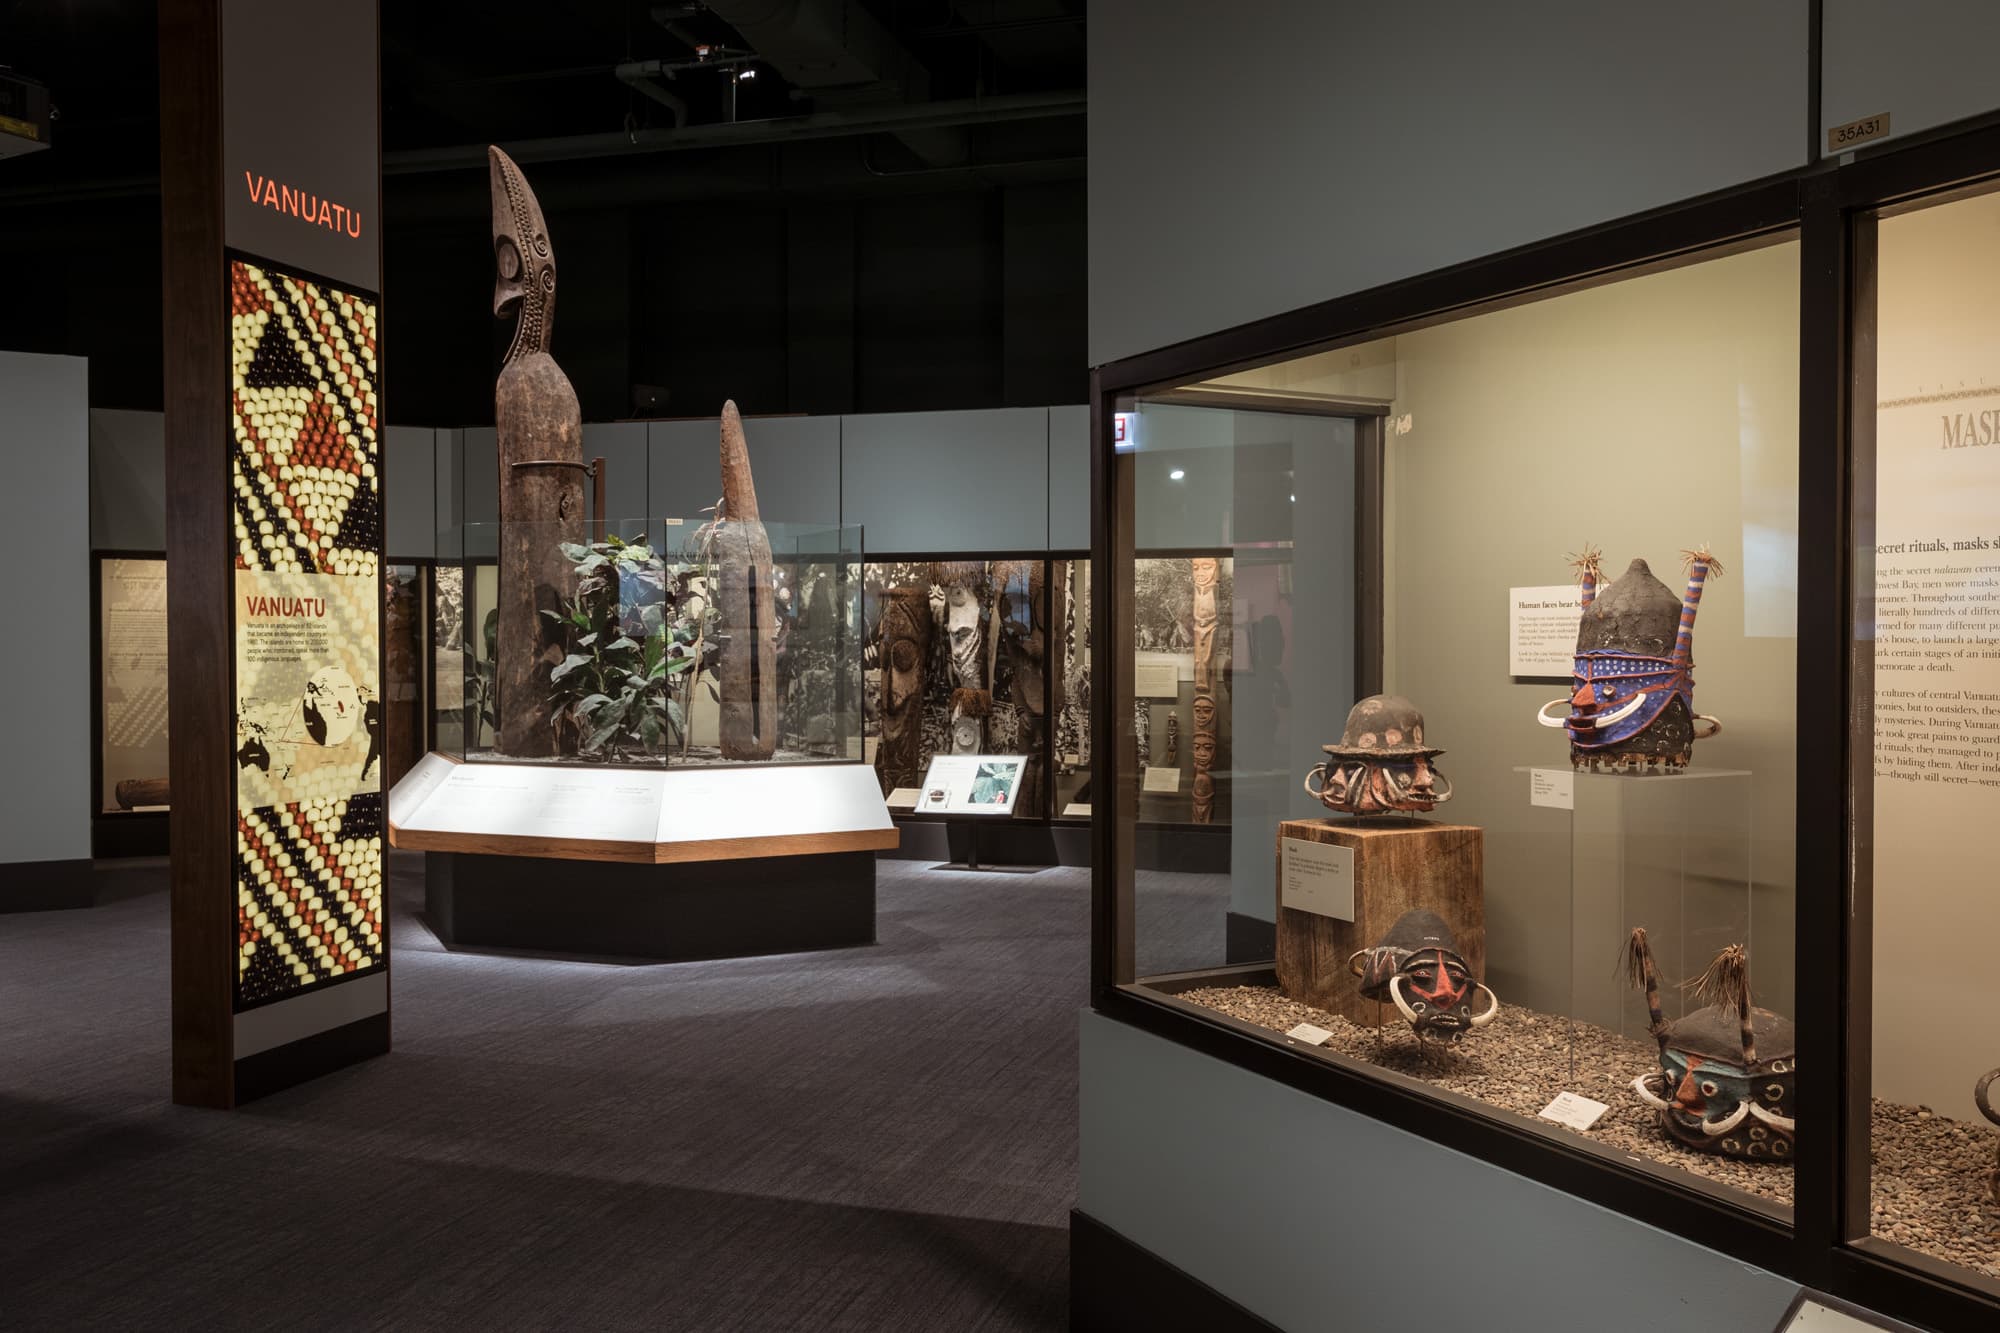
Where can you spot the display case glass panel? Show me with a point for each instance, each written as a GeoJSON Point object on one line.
{"type": "Point", "coordinates": [958, 661]}
{"type": "Point", "coordinates": [405, 640]}
{"type": "Point", "coordinates": [132, 682]}
{"type": "Point", "coordinates": [1928, 629]}
{"type": "Point", "coordinates": [658, 643]}
{"type": "Point", "coordinates": [1069, 683]}
{"type": "Point", "coordinates": [1536, 872]}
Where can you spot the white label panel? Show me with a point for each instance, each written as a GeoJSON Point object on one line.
{"type": "Point", "coordinates": [1156, 680]}
{"type": "Point", "coordinates": [1541, 630]}
{"type": "Point", "coordinates": [1552, 787]}
{"type": "Point", "coordinates": [1310, 1035]}
{"type": "Point", "coordinates": [1318, 877]}
{"type": "Point", "coordinates": [1577, 1112]}
{"type": "Point", "coordinates": [1162, 780]}
{"type": "Point", "coordinates": [971, 784]}
{"type": "Point", "coordinates": [904, 798]}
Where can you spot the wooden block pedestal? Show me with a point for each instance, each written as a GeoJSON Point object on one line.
{"type": "Point", "coordinates": [1400, 865]}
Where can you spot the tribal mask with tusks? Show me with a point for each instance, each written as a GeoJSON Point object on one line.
{"type": "Point", "coordinates": [524, 278]}
{"type": "Point", "coordinates": [1727, 1076]}
{"type": "Point", "coordinates": [1631, 703]}
{"type": "Point", "coordinates": [1417, 967]}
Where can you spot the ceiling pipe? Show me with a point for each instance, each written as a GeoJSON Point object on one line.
{"type": "Point", "coordinates": [639, 76]}
{"type": "Point", "coordinates": [788, 129]}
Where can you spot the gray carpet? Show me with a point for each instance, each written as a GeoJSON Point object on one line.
{"type": "Point", "coordinates": [876, 1138]}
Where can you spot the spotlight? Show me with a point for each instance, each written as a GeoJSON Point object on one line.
{"type": "Point", "coordinates": [745, 75]}
{"type": "Point", "coordinates": [1176, 474]}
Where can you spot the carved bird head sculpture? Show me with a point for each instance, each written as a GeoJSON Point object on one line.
{"type": "Point", "coordinates": [524, 277]}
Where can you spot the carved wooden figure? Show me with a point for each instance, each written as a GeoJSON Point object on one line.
{"type": "Point", "coordinates": [1203, 569]}
{"type": "Point", "coordinates": [540, 430]}
{"type": "Point", "coordinates": [901, 647]}
{"type": "Point", "coordinates": [746, 673]}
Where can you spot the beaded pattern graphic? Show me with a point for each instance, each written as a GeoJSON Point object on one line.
{"type": "Point", "coordinates": [308, 895]}
{"type": "Point", "coordinates": [307, 488]}
{"type": "Point", "coordinates": [306, 503]}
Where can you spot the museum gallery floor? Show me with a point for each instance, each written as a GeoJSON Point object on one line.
{"type": "Point", "coordinates": [881, 1137]}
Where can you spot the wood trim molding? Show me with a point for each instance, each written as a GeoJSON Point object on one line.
{"type": "Point", "coordinates": [644, 853]}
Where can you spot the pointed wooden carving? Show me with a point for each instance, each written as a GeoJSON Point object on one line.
{"type": "Point", "coordinates": [538, 422]}
{"type": "Point", "coordinates": [747, 671]}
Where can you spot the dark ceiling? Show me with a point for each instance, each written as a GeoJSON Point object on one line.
{"type": "Point", "coordinates": [457, 75]}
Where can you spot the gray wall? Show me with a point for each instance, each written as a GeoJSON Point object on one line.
{"type": "Point", "coordinates": [1914, 61]}
{"type": "Point", "coordinates": [128, 481]}
{"type": "Point", "coordinates": [409, 481]}
{"type": "Point", "coordinates": [44, 531]}
{"type": "Point", "coordinates": [1305, 1213]}
{"type": "Point", "coordinates": [1337, 147]}
{"type": "Point", "coordinates": [1029, 467]}
{"type": "Point", "coordinates": [947, 481]}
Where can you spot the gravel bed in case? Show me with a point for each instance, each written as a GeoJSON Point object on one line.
{"type": "Point", "coordinates": [1930, 1172]}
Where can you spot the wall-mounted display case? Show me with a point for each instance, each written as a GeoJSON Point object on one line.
{"type": "Point", "coordinates": [1635, 644]}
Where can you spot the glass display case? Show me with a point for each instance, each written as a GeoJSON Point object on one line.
{"type": "Point", "coordinates": [131, 629]}
{"type": "Point", "coordinates": [649, 644]}
{"type": "Point", "coordinates": [1926, 756]}
{"type": "Point", "coordinates": [958, 661]}
{"type": "Point", "coordinates": [1425, 606]}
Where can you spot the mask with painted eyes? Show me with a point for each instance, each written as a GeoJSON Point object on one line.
{"type": "Point", "coordinates": [1631, 702]}
{"type": "Point", "coordinates": [1380, 764]}
{"type": "Point", "coordinates": [1727, 1069]}
{"type": "Point", "coordinates": [1417, 968]}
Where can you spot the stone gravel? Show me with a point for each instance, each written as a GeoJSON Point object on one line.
{"type": "Point", "coordinates": [1930, 1175]}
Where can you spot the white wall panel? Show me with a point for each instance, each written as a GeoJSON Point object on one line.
{"type": "Point", "coordinates": [45, 796]}
{"type": "Point", "coordinates": [1259, 157]}
{"type": "Point", "coordinates": [924, 482]}
{"type": "Point", "coordinates": [1905, 59]}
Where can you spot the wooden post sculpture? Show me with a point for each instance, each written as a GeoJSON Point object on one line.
{"type": "Point", "coordinates": [966, 658]}
{"type": "Point", "coordinates": [1202, 570]}
{"type": "Point", "coordinates": [540, 431]}
{"type": "Point", "coordinates": [1205, 757]}
{"type": "Point", "coordinates": [1027, 655]}
{"type": "Point", "coordinates": [747, 671]}
{"type": "Point", "coordinates": [902, 644]}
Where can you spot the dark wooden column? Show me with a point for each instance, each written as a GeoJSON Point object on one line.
{"type": "Point", "coordinates": [235, 107]}
{"type": "Point", "coordinates": [201, 715]}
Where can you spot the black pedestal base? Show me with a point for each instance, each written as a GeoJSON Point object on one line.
{"type": "Point", "coordinates": [679, 912]}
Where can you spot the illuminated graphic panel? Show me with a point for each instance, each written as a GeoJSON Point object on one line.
{"type": "Point", "coordinates": [306, 494]}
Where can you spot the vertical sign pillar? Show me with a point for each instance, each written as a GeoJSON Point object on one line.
{"type": "Point", "coordinates": [271, 196]}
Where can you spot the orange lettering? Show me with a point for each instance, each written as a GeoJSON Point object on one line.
{"type": "Point", "coordinates": [253, 183]}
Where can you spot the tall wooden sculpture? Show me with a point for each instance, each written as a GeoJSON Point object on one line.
{"type": "Point", "coordinates": [1202, 570]}
{"type": "Point", "coordinates": [902, 644]}
{"type": "Point", "coordinates": [540, 431]}
{"type": "Point", "coordinates": [747, 671]}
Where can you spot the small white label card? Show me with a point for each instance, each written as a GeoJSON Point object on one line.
{"type": "Point", "coordinates": [1542, 630]}
{"type": "Point", "coordinates": [1077, 810]}
{"type": "Point", "coordinates": [904, 798]}
{"type": "Point", "coordinates": [1309, 1034]}
{"type": "Point", "coordinates": [1577, 1112]}
{"type": "Point", "coordinates": [1162, 779]}
{"type": "Point", "coordinates": [1813, 1316]}
{"type": "Point", "coordinates": [1552, 787]}
{"type": "Point", "coordinates": [1158, 679]}
{"type": "Point", "coordinates": [1317, 877]}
